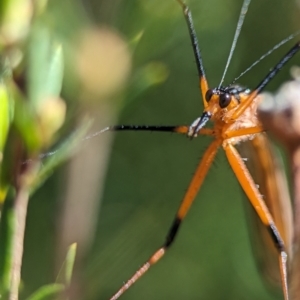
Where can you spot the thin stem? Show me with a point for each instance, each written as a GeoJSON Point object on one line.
{"type": "Point", "coordinates": [20, 212]}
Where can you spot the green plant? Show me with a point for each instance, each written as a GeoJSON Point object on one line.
{"type": "Point", "coordinates": [31, 114]}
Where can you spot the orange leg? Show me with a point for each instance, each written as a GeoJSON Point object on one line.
{"type": "Point", "coordinates": [243, 131]}
{"type": "Point", "coordinates": [185, 205]}
{"type": "Point", "coordinates": [240, 170]}
{"type": "Point", "coordinates": [206, 131]}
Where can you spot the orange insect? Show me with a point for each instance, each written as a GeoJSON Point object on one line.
{"type": "Point", "coordinates": [232, 110]}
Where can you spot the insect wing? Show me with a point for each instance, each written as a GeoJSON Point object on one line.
{"type": "Point", "coordinates": [266, 167]}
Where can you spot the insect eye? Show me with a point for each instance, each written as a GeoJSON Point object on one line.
{"type": "Point", "coordinates": [209, 94]}
{"type": "Point", "coordinates": [224, 100]}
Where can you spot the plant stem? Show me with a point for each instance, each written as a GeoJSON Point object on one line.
{"type": "Point", "coordinates": [20, 212]}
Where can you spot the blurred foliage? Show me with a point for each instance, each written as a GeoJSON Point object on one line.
{"type": "Point", "coordinates": [135, 58]}
{"type": "Point", "coordinates": [31, 114]}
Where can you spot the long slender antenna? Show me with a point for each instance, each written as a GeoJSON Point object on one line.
{"type": "Point", "coordinates": [277, 68]}
{"type": "Point", "coordinates": [284, 41]}
{"type": "Point", "coordinates": [193, 37]}
{"type": "Point", "coordinates": [197, 53]}
{"type": "Point", "coordinates": [236, 36]}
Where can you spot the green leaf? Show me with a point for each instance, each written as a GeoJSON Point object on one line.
{"type": "Point", "coordinates": [47, 292]}
{"type": "Point", "coordinates": [4, 116]}
{"type": "Point", "coordinates": [45, 61]}
{"type": "Point", "coordinates": [69, 263]}
{"type": "Point", "coordinates": [3, 9]}
{"type": "Point", "coordinates": [152, 74]}
{"type": "Point", "coordinates": [25, 121]}
{"type": "Point", "coordinates": [65, 273]}
{"type": "Point", "coordinates": [53, 159]}
{"type": "Point", "coordinates": [6, 233]}
{"type": "Point", "coordinates": [6, 112]}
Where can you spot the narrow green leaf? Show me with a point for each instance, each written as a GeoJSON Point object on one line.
{"type": "Point", "coordinates": [47, 292]}
{"type": "Point", "coordinates": [4, 116]}
{"type": "Point", "coordinates": [69, 263]}
{"type": "Point", "coordinates": [152, 74]}
{"type": "Point", "coordinates": [45, 60]}
{"type": "Point", "coordinates": [25, 122]}
{"type": "Point", "coordinates": [6, 233]}
{"type": "Point", "coordinates": [53, 159]}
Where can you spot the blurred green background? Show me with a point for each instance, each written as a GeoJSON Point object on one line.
{"type": "Point", "coordinates": [118, 197]}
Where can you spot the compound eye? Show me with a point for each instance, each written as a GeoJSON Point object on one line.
{"type": "Point", "coordinates": [224, 100]}
{"type": "Point", "coordinates": [208, 95]}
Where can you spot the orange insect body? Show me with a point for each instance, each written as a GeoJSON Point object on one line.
{"type": "Point", "coordinates": [237, 130]}
{"type": "Point", "coordinates": [233, 111]}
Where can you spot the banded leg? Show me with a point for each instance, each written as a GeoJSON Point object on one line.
{"type": "Point", "coordinates": [197, 53]}
{"type": "Point", "coordinates": [239, 168]}
{"type": "Point", "coordinates": [185, 205]}
{"type": "Point", "coordinates": [176, 129]}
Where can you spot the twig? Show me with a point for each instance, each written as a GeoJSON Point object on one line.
{"type": "Point", "coordinates": [20, 212]}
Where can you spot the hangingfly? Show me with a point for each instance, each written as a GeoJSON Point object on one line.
{"type": "Point", "coordinates": [232, 110]}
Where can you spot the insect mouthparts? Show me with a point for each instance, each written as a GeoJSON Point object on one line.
{"type": "Point", "coordinates": [198, 124]}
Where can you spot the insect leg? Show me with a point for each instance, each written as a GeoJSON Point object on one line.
{"type": "Point", "coordinates": [178, 129]}
{"type": "Point", "coordinates": [239, 168]}
{"type": "Point", "coordinates": [244, 131]}
{"type": "Point", "coordinates": [175, 129]}
{"type": "Point", "coordinates": [184, 207]}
